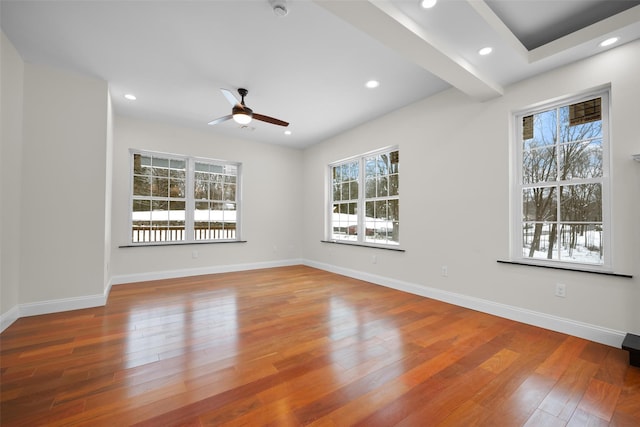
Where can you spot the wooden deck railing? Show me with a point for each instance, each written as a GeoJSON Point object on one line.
{"type": "Point", "coordinates": [177, 233]}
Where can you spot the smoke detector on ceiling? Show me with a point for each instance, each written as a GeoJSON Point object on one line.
{"type": "Point", "coordinates": [279, 7]}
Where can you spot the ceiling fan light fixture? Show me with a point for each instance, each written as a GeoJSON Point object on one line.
{"type": "Point", "coordinates": [242, 118]}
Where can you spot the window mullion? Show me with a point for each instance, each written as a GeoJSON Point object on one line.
{"type": "Point", "coordinates": [361, 200]}
{"type": "Point", "coordinates": [190, 205]}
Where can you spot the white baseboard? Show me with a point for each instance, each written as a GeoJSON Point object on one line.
{"type": "Point", "coordinates": [6, 319]}
{"type": "Point", "coordinates": [172, 274]}
{"type": "Point", "coordinates": [52, 306]}
{"type": "Point", "coordinates": [587, 331]}
{"type": "Point", "coordinates": [559, 324]}
{"type": "Point", "coordinates": [64, 304]}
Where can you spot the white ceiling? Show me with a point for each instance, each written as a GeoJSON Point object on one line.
{"type": "Point", "coordinates": [308, 67]}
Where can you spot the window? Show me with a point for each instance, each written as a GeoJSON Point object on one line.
{"type": "Point", "coordinates": [365, 199]}
{"type": "Point", "coordinates": [562, 183]}
{"type": "Point", "coordinates": [182, 199]}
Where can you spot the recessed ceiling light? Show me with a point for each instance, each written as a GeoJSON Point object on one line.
{"type": "Point", "coordinates": [428, 4]}
{"type": "Point", "coordinates": [130, 97]}
{"type": "Point", "coordinates": [609, 42]}
{"type": "Point", "coordinates": [371, 84]}
{"type": "Point", "coordinates": [287, 132]}
{"type": "Point", "coordinates": [485, 51]}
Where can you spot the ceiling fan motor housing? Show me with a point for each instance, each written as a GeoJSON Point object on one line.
{"type": "Point", "coordinates": [242, 109]}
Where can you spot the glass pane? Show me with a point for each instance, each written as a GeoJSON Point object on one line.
{"type": "Point", "coordinates": [177, 173]}
{"type": "Point", "coordinates": [394, 189]}
{"type": "Point", "coordinates": [383, 187]}
{"type": "Point", "coordinates": [337, 173]}
{"type": "Point", "coordinates": [539, 204]}
{"type": "Point", "coordinates": [581, 160]}
{"type": "Point", "coordinates": [370, 188]}
{"type": "Point", "coordinates": [160, 187]}
{"type": "Point", "coordinates": [141, 185]}
{"type": "Point", "coordinates": [201, 189]}
{"type": "Point", "coordinates": [353, 190]}
{"type": "Point", "coordinates": [201, 167]}
{"type": "Point", "coordinates": [394, 210]}
{"type": "Point", "coordinates": [203, 206]}
{"type": "Point", "coordinates": [141, 206]}
{"type": "Point", "coordinates": [141, 164]}
{"type": "Point", "coordinates": [345, 191]}
{"type": "Point", "coordinates": [581, 243]}
{"type": "Point", "coordinates": [370, 167]}
{"type": "Point", "coordinates": [395, 162]}
{"type": "Point", "coordinates": [539, 165]}
{"type": "Point", "coordinates": [578, 132]}
{"type": "Point", "coordinates": [383, 164]}
{"type": "Point", "coordinates": [336, 192]}
{"type": "Point", "coordinates": [544, 130]}
{"type": "Point", "coordinates": [381, 209]}
{"type": "Point", "coordinates": [370, 210]}
{"type": "Point", "coordinates": [177, 164]}
{"type": "Point", "coordinates": [345, 172]}
{"type": "Point", "coordinates": [395, 233]}
{"type": "Point", "coordinates": [355, 171]}
{"type": "Point", "coordinates": [177, 188]}
{"type": "Point", "coordinates": [215, 191]}
{"type": "Point", "coordinates": [539, 240]}
{"type": "Point", "coordinates": [581, 202]}
{"type": "Point", "coordinates": [157, 171]}
{"type": "Point", "coordinates": [177, 206]}
{"type": "Point", "coordinates": [229, 192]}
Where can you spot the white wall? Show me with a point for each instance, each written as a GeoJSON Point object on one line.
{"type": "Point", "coordinates": [11, 83]}
{"type": "Point", "coordinates": [454, 157]}
{"type": "Point", "coordinates": [271, 204]}
{"type": "Point", "coordinates": [63, 183]}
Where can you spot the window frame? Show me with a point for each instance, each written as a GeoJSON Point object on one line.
{"type": "Point", "coordinates": [361, 238]}
{"type": "Point", "coordinates": [189, 199]}
{"type": "Point", "coordinates": [518, 185]}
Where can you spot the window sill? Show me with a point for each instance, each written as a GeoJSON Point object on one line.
{"type": "Point", "coordinates": [208, 242]}
{"type": "Point", "coordinates": [554, 267]}
{"type": "Point", "coordinates": [364, 245]}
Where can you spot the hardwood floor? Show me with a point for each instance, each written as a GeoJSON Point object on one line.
{"type": "Point", "coordinates": [298, 346]}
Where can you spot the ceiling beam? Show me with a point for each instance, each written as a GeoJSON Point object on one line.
{"type": "Point", "coordinates": [384, 22]}
{"type": "Point", "coordinates": [499, 27]}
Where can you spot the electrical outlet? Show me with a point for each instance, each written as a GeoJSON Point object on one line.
{"type": "Point", "coordinates": [194, 254]}
{"type": "Point", "coordinates": [561, 290]}
{"type": "Point", "coordinates": [374, 259]}
{"type": "Point", "coordinates": [444, 271]}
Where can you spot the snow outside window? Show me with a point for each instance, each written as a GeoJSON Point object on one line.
{"type": "Point", "coordinates": [182, 199]}
{"type": "Point", "coordinates": [561, 189]}
{"type": "Point", "coordinates": [365, 199]}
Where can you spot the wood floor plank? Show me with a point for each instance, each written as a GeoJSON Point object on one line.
{"type": "Point", "coordinates": [296, 346]}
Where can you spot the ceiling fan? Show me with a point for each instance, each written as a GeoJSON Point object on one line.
{"type": "Point", "coordinates": [243, 114]}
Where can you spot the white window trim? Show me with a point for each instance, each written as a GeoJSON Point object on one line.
{"type": "Point", "coordinates": [361, 201]}
{"type": "Point", "coordinates": [189, 199]}
{"type": "Point", "coordinates": [515, 218]}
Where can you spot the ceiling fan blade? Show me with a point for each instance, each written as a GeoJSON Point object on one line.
{"type": "Point", "coordinates": [220, 120]}
{"type": "Point", "coordinates": [230, 97]}
{"type": "Point", "coordinates": [271, 120]}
